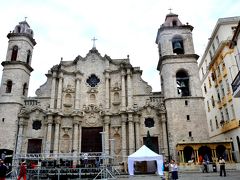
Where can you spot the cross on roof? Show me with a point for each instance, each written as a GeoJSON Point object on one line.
{"type": "Point", "coordinates": [170, 9]}
{"type": "Point", "coordinates": [94, 39]}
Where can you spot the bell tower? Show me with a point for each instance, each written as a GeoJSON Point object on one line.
{"type": "Point", "coordinates": [180, 83]}
{"type": "Point", "coordinates": [15, 81]}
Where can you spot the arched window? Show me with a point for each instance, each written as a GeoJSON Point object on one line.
{"type": "Point", "coordinates": [24, 89]}
{"type": "Point", "coordinates": [182, 81]}
{"type": "Point", "coordinates": [9, 87]}
{"type": "Point", "coordinates": [14, 53]}
{"type": "Point", "coordinates": [177, 44]}
{"type": "Point", "coordinates": [174, 23]}
{"type": "Point", "coordinates": [28, 56]}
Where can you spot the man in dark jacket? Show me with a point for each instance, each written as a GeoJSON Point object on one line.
{"type": "Point", "coordinates": [3, 170]}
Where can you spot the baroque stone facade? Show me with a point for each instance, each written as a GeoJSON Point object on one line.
{"type": "Point", "coordinates": [90, 102]}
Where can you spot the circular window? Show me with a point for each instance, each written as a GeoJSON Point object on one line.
{"type": "Point", "coordinates": [36, 125]}
{"type": "Point", "coordinates": [93, 80]}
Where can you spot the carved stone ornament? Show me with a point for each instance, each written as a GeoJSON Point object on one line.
{"type": "Point", "coordinates": [69, 89]}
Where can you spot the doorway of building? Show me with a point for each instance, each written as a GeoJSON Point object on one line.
{"type": "Point", "coordinates": [91, 139]}
{"type": "Point", "coordinates": [34, 146]}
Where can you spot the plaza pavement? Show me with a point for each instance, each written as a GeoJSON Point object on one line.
{"type": "Point", "coordinates": [231, 175]}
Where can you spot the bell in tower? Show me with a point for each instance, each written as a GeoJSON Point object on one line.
{"type": "Point", "coordinates": [177, 47]}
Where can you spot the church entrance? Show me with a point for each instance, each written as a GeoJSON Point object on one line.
{"type": "Point", "coordinates": [34, 146]}
{"type": "Point", "coordinates": [91, 139]}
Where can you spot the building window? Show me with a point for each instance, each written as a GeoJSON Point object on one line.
{"type": "Point", "coordinates": [208, 106]}
{"type": "Point", "coordinates": [93, 80]}
{"type": "Point", "coordinates": [227, 114]}
{"type": "Point", "coordinates": [36, 125]}
{"type": "Point", "coordinates": [202, 71]}
{"type": "Point", "coordinates": [182, 80]}
{"type": "Point", "coordinates": [28, 56]}
{"type": "Point", "coordinates": [218, 70]}
{"type": "Point", "coordinates": [3, 119]}
{"type": "Point", "coordinates": [188, 117]}
{"type": "Point", "coordinates": [209, 82]}
{"type": "Point", "coordinates": [9, 87]}
{"type": "Point", "coordinates": [222, 116]}
{"type": "Point", "coordinates": [210, 53]}
{"type": "Point", "coordinates": [228, 86]}
{"type": "Point", "coordinates": [14, 53]}
{"type": "Point", "coordinates": [233, 112]}
{"type": "Point", "coordinates": [223, 91]}
{"type": "Point", "coordinates": [186, 102]}
{"type": "Point", "coordinates": [217, 38]}
{"type": "Point", "coordinates": [213, 101]}
{"type": "Point", "coordinates": [177, 44]}
{"type": "Point", "coordinates": [216, 121]}
{"type": "Point", "coordinates": [211, 125]}
{"type": "Point", "coordinates": [190, 133]}
{"type": "Point", "coordinates": [205, 88]}
{"type": "Point", "coordinates": [213, 46]}
{"type": "Point", "coordinates": [24, 89]}
{"type": "Point", "coordinates": [218, 95]}
{"type": "Point", "coordinates": [149, 122]}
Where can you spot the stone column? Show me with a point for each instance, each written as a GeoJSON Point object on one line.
{"type": "Point", "coordinates": [124, 138]}
{"type": "Point", "coordinates": [129, 89]}
{"type": "Point", "coordinates": [123, 104]}
{"type": "Point", "coordinates": [80, 137]}
{"type": "Point", "coordinates": [106, 130]}
{"type": "Point", "coordinates": [20, 136]}
{"type": "Point", "coordinates": [52, 101]}
{"type": "Point", "coordinates": [131, 134]}
{"type": "Point", "coordinates": [75, 139]}
{"type": "Point", "coordinates": [137, 128]}
{"type": "Point", "coordinates": [59, 95]}
{"type": "Point", "coordinates": [49, 134]}
{"type": "Point", "coordinates": [107, 98]}
{"type": "Point", "coordinates": [56, 136]}
{"type": "Point", "coordinates": [164, 133]}
{"type": "Point", "coordinates": [77, 92]}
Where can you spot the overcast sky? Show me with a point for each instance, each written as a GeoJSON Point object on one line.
{"type": "Point", "coordinates": [64, 28]}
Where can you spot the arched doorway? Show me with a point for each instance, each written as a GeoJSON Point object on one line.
{"type": "Point", "coordinates": [221, 151]}
{"type": "Point", "coordinates": [188, 153]}
{"type": "Point", "coordinates": [205, 153]}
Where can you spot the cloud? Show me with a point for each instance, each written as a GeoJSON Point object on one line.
{"type": "Point", "coordinates": [65, 29]}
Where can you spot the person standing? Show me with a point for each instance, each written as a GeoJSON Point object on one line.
{"type": "Point", "coordinates": [3, 170]}
{"type": "Point", "coordinates": [166, 169]}
{"type": "Point", "coordinates": [23, 171]}
{"type": "Point", "coordinates": [174, 169]}
{"type": "Point", "coordinates": [205, 166]}
{"type": "Point", "coordinates": [222, 166]}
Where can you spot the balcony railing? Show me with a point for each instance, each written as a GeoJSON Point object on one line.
{"type": "Point", "coordinates": [236, 84]}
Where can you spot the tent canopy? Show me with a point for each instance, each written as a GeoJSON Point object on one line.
{"type": "Point", "coordinates": [145, 154]}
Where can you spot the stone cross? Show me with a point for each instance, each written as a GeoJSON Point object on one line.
{"type": "Point", "coordinates": [94, 39]}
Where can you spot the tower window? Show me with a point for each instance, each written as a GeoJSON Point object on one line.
{"type": "Point", "coordinates": [186, 102]}
{"type": "Point", "coordinates": [149, 122]}
{"type": "Point", "coordinates": [188, 117]}
{"type": "Point", "coordinates": [177, 44]}
{"type": "Point", "coordinates": [28, 56]}
{"type": "Point", "coordinates": [3, 119]}
{"type": "Point", "coordinates": [14, 53]}
{"type": "Point", "coordinates": [174, 23]}
{"type": "Point", "coordinates": [190, 133]}
{"type": "Point", "coordinates": [24, 89]}
{"type": "Point", "coordinates": [182, 83]}
{"type": "Point", "coordinates": [9, 87]}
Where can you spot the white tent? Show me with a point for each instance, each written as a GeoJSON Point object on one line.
{"type": "Point", "coordinates": [145, 154]}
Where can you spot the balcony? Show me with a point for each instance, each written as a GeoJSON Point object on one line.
{"type": "Point", "coordinates": [230, 125]}
{"type": "Point", "coordinates": [236, 85]}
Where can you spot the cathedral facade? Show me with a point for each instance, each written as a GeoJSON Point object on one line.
{"type": "Point", "coordinates": [99, 104]}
